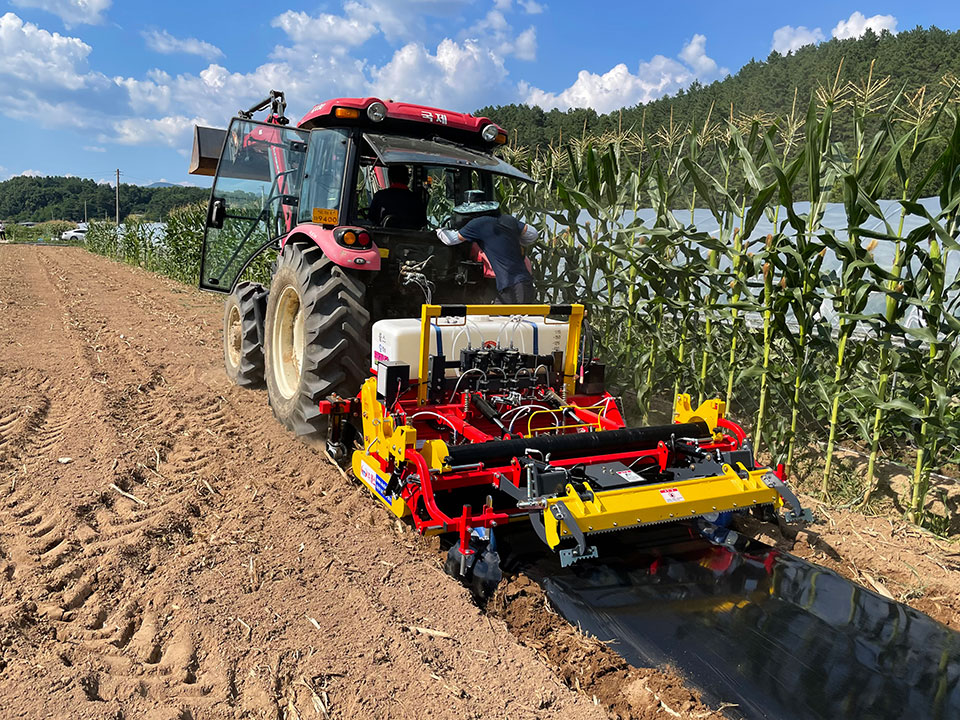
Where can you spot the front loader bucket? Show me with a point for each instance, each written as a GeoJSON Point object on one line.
{"type": "Point", "coordinates": [207, 144]}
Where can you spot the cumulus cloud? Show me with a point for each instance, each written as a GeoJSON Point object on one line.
{"type": "Point", "coordinates": [454, 76]}
{"type": "Point", "coordinates": [173, 130]}
{"type": "Point", "coordinates": [72, 12]}
{"type": "Point", "coordinates": [857, 24]}
{"type": "Point", "coordinates": [31, 173]}
{"type": "Point", "coordinates": [34, 55]}
{"type": "Point", "coordinates": [618, 87]}
{"type": "Point", "coordinates": [163, 42]}
{"type": "Point", "coordinates": [789, 39]}
{"type": "Point", "coordinates": [532, 7]}
{"type": "Point", "coordinates": [694, 54]}
{"type": "Point", "coordinates": [94, 148]}
{"type": "Point", "coordinates": [495, 32]}
{"type": "Point", "coordinates": [354, 27]}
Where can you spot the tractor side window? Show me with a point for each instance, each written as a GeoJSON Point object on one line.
{"type": "Point", "coordinates": [323, 177]}
{"type": "Point", "coordinates": [254, 197]}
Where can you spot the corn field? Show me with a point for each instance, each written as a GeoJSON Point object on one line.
{"type": "Point", "coordinates": [172, 249]}
{"type": "Point", "coordinates": [811, 340]}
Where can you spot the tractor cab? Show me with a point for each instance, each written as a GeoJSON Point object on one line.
{"type": "Point", "coordinates": [366, 181]}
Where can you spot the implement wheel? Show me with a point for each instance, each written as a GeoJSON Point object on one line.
{"type": "Point", "coordinates": [243, 334]}
{"type": "Point", "coordinates": [317, 337]}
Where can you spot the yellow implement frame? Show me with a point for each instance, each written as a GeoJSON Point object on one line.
{"type": "Point", "coordinates": [429, 313]}
{"type": "Point", "coordinates": [648, 504]}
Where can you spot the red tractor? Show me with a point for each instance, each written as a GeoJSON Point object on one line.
{"type": "Point", "coordinates": [306, 192]}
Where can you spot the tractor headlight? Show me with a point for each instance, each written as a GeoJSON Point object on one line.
{"type": "Point", "coordinates": [377, 111]}
{"type": "Point", "coordinates": [490, 132]}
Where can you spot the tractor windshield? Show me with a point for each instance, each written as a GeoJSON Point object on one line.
{"type": "Point", "coordinates": [414, 184]}
{"type": "Point", "coordinates": [254, 198]}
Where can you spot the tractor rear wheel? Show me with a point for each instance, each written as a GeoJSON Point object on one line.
{"type": "Point", "coordinates": [243, 334]}
{"type": "Point", "coordinates": [317, 337]}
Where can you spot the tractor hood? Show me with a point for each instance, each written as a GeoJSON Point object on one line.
{"type": "Point", "coordinates": [400, 150]}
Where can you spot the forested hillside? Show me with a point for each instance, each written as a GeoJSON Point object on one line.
{"type": "Point", "coordinates": [911, 59]}
{"type": "Point", "coordinates": [61, 198]}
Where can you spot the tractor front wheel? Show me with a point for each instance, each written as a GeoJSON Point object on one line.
{"type": "Point", "coordinates": [243, 334]}
{"type": "Point", "coordinates": [317, 338]}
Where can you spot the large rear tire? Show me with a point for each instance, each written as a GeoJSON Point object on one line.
{"type": "Point", "coordinates": [243, 316]}
{"type": "Point", "coordinates": [317, 337]}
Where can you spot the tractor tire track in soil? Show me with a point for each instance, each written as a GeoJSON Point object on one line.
{"type": "Point", "coordinates": [167, 550]}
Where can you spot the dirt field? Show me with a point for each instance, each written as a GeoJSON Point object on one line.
{"type": "Point", "coordinates": [167, 550]}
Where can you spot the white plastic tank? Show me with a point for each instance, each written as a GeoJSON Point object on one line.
{"type": "Point", "coordinates": [399, 339]}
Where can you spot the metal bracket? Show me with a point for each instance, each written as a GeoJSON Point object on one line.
{"type": "Point", "coordinates": [797, 511]}
{"type": "Point", "coordinates": [806, 514]}
{"type": "Point", "coordinates": [568, 556]}
{"type": "Point", "coordinates": [560, 512]}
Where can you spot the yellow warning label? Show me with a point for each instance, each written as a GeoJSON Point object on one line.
{"type": "Point", "coordinates": [384, 252]}
{"type": "Point", "coordinates": [326, 216]}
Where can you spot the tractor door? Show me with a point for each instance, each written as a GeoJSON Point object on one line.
{"type": "Point", "coordinates": [254, 199]}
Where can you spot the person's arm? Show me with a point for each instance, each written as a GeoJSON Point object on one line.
{"type": "Point", "coordinates": [449, 236]}
{"type": "Point", "coordinates": [528, 235]}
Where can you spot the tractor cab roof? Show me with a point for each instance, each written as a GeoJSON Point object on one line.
{"type": "Point", "coordinates": [398, 118]}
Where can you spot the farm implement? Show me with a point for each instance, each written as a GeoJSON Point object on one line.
{"type": "Point", "coordinates": [492, 416]}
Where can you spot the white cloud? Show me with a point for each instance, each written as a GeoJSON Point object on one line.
{"type": "Point", "coordinates": [618, 87]}
{"type": "Point", "coordinates": [172, 130]}
{"type": "Point", "coordinates": [32, 173]}
{"type": "Point", "coordinates": [355, 27]}
{"type": "Point", "coordinates": [694, 54]}
{"type": "Point", "coordinates": [857, 24]}
{"type": "Point", "coordinates": [494, 32]}
{"type": "Point", "coordinates": [532, 7]}
{"type": "Point", "coordinates": [163, 42]}
{"type": "Point", "coordinates": [94, 148]}
{"type": "Point", "coordinates": [456, 76]}
{"type": "Point", "coordinates": [36, 56]}
{"type": "Point", "coordinates": [789, 39]}
{"type": "Point", "coordinates": [525, 44]}
{"type": "Point", "coordinates": [72, 12]}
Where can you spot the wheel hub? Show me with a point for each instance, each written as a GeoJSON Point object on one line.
{"type": "Point", "coordinates": [234, 336]}
{"type": "Point", "coordinates": [288, 342]}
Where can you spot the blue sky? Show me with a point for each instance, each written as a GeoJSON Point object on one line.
{"type": "Point", "coordinates": [87, 86]}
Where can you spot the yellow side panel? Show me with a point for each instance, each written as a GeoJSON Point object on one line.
{"type": "Point", "coordinates": [648, 504]}
{"type": "Point", "coordinates": [366, 467]}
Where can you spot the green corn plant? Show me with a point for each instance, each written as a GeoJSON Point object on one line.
{"type": "Point", "coordinates": [864, 180]}
{"type": "Point", "coordinates": [938, 340]}
{"type": "Point", "coordinates": [918, 115]}
{"type": "Point", "coordinates": [803, 260]}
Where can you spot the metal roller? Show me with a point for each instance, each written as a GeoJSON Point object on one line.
{"type": "Point", "coordinates": [644, 438]}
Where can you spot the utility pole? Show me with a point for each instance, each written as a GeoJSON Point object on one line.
{"type": "Point", "coordinates": [118, 198]}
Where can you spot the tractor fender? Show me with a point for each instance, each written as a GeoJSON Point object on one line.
{"type": "Point", "coordinates": [322, 237]}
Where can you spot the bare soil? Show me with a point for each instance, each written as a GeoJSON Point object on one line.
{"type": "Point", "coordinates": [168, 550]}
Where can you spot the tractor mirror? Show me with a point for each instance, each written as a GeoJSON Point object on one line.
{"type": "Point", "coordinates": [218, 211]}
